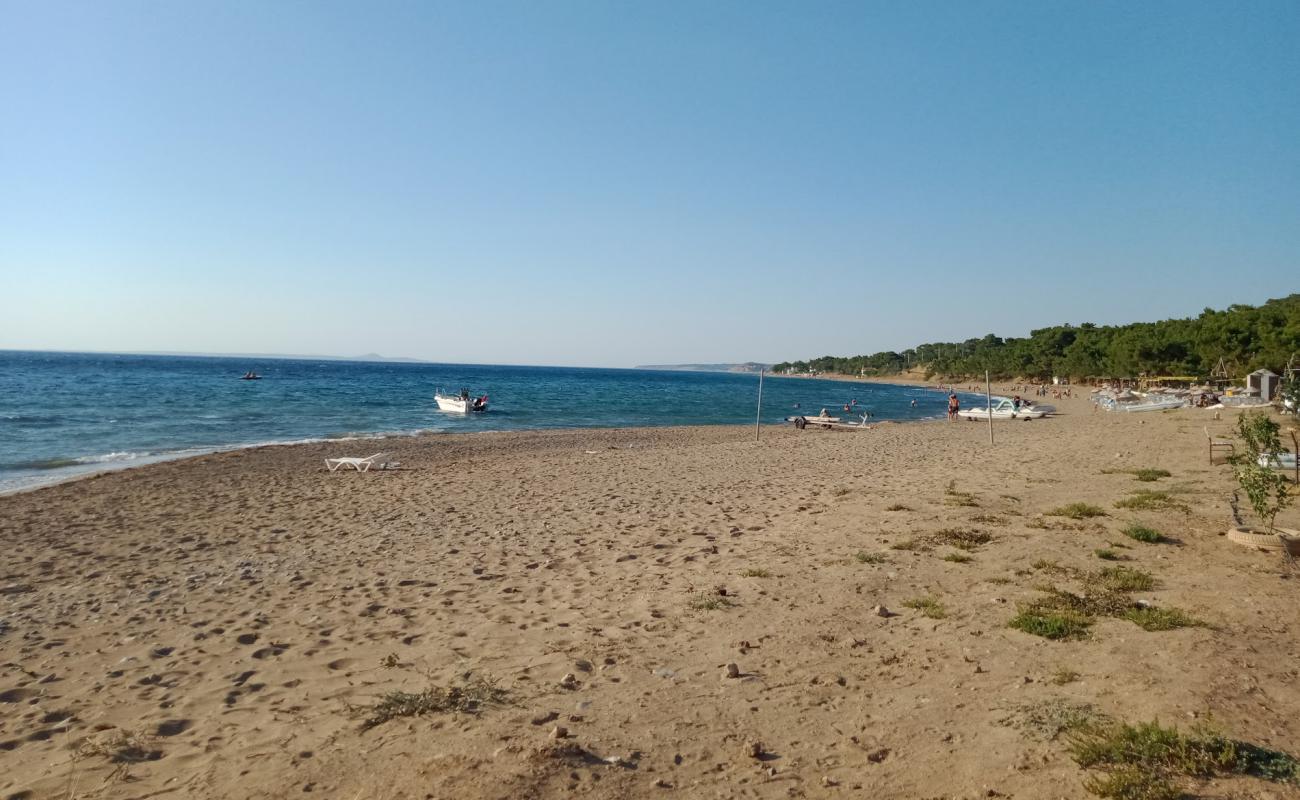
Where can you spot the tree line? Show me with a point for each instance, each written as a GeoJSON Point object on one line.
{"type": "Point", "coordinates": [1239, 339]}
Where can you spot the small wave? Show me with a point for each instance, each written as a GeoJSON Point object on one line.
{"type": "Point", "coordinates": [111, 458]}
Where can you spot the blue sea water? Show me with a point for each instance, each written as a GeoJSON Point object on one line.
{"type": "Point", "coordinates": [63, 414]}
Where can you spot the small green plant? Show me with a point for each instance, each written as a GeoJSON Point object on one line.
{"type": "Point", "coordinates": [1142, 533]}
{"type": "Point", "coordinates": [1106, 554]}
{"type": "Point", "coordinates": [955, 497]}
{"type": "Point", "coordinates": [755, 572]}
{"type": "Point", "coordinates": [906, 544]}
{"type": "Point", "coordinates": [961, 538]}
{"type": "Point", "coordinates": [469, 697]}
{"type": "Point", "coordinates": [864, 557]}
{"type": "Point", "coordinates": [1052, 624]}
{"type": "Point", "coordinates": [1123, 579]}
{"type": "Point", "coordinates": [709, 602]}
{"type": "Point", "coordinates": [1149, 618]}
{"type": "Point", "coordinates": [897, 507]}
{"type": "Point", "coordinates": [1063, 676]}
{"type": "Point", "coordinates": [1259, 434]}
{"type": "Point", "coordinates": [1147, 761]}
{"type": "Point", "coordinates": [1077, 511]}
{"type": "Point", "coordinates": [1269, 492]}
{"type": "Point", "coordinates": [1147, 500]}
{"type": "Point", "coordinates": [1149, 475]}
{"type": "Point", "coordinates": [1048, 719]}
{"type": "Point", "coordinates": [958, 558]}
{"type": "Point", "coordinates": [928, 606]}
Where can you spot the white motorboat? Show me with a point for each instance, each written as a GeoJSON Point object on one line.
{"type": "Point", "coordinates": [460, 403]}
{"type": "Point", "coordinates": [1132, 401]}
{"type": "Point", "coordinates": [1282, 460]}
{"type": "Point", "coordinates": [1005, 409]}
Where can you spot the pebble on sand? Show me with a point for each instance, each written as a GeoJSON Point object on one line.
{"type": "Point", "coordinates": [733, 670]}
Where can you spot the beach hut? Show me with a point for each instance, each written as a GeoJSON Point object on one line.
{"type": "Point", "coordinates": [1264, 381]}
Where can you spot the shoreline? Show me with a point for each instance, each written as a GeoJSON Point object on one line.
{"type": "Point", "coordinates": [237, 613]}
{"type": "Point", "coordinates": [38, 483]}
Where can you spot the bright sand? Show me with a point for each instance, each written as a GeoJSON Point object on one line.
{"type": "Point", "coordinates": [233, 612]}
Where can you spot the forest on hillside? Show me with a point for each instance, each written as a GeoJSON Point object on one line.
{"type": "Point", "coordinates": [1242, 338]}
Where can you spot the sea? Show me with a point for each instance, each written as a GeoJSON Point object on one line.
{"type": "Point", "coordinates": [63, 415]}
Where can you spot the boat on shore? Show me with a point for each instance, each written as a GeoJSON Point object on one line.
{"type": "Point", "coordinates": [1131, 401]}
{"type": "Point", "coordinates": [1003, 408]}
{"type": "Point", "coordinates": [460, 403]}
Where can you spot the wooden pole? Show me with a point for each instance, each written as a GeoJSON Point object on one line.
{"type": "Point", "coordinates": [988, 398]}
{"type": "Point", "coordinates": [758, 418]}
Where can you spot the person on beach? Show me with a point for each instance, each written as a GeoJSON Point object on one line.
{"type": "Point", "coordinates": [954, 405]}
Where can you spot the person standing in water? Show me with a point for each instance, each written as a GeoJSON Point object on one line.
{"type": "Point", "coordinates": [954, 405]}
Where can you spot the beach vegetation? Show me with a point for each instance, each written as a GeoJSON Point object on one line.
{"type": "Point", "coordinates": [471, 696]}
{"type": "Point", "coordinates": [1149, 618]}
{"type": "Point", "coordinates": [955, 497]}
{"type": "Point", "coordinates": [1048, 719]}
{"type": "Point", "coordinates": [1055, 624]}
{"type": "Point", "coordinates": [928, 606]}
{"type": "Point", "coordinates": [1142, 533]}
{"type": "Point", "coordinates": [1062, 676]}
{"type": "Point", "coordinates": [863, 557]}
{"type": "Point", "coordinates": [1077, 511]}
{"type": "Point", "coordinates": [121, 748]}
{"type": "Point", "coordinates": [897, 507]}
{"type": "Point", "coordinates": [961, 538]}
{"type": "Point", "coordinates": [907, 544]}
{"type": "Point", "coordinates": [1149, 761]}
{"type": "Point", "coordinates": [709, 602]}
{"type": "Point", "coordinates": [755, 572]}
{"type": "Point", "coordinates": [1147, 500]}
{"type": "Point", "coordinates": [1106, 554]}
{"type": "Point", "coordinates": [958, 558]}
{"type": "Point", "coordinates": [1267, 490]}
{"type": "Point", "coordinates": [1123, 579]}
{"type": "Point", "coordinates": [1146, 475]}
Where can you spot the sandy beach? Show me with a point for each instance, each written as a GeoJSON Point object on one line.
{"type": "Point", "coordinates": [224, 626]}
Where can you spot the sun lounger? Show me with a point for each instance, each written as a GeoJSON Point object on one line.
{"type": "Point", "coordinates": [1219, 444]}
{"type": "Point", "coordinates": [377, 461]}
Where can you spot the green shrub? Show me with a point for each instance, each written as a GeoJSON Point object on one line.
{"type": "Point", "coordinates": [1077, 511]}
{"type": "Point", "coordinates": [1140, 532]}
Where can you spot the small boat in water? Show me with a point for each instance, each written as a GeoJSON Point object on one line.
{"type": "Point", "coordinates": [460, 403]}
{"type": "Point", "coordinates": [250, 376]}
{"type": "Point", "coordinates": [1006, 409]}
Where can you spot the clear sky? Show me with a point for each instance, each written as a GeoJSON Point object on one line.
{"type": "Point", "coordinates": [613, 183]}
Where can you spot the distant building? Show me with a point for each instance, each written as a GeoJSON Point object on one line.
{"type": "Point", "coordinates": [1264, 381]}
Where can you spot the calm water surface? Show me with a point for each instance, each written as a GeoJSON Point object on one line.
{"type": "Point", "coordinates": [63, 414]}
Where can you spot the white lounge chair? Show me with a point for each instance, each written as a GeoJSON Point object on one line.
{"type": "Point", "coordinates": [377, 461]}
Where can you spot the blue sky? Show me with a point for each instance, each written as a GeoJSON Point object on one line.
{"type": "Point", "coordinates": [615, 183]}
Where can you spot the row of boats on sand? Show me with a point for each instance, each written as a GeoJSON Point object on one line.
{"type": "Point", "coordinates": [1129, 400]}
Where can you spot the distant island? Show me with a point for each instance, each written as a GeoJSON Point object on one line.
{"type": "Point", "coordinates": [748, 366]}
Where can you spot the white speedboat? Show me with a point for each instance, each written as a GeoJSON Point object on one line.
{"type": "Point", "coordinates": [1005, 409]}
{"type": "Point", "coordinates": [1281, 460]}
{"type": "Point", "coordinates": [460, 403]}
{"type": "Point", "coordinates": [1151, 403]}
